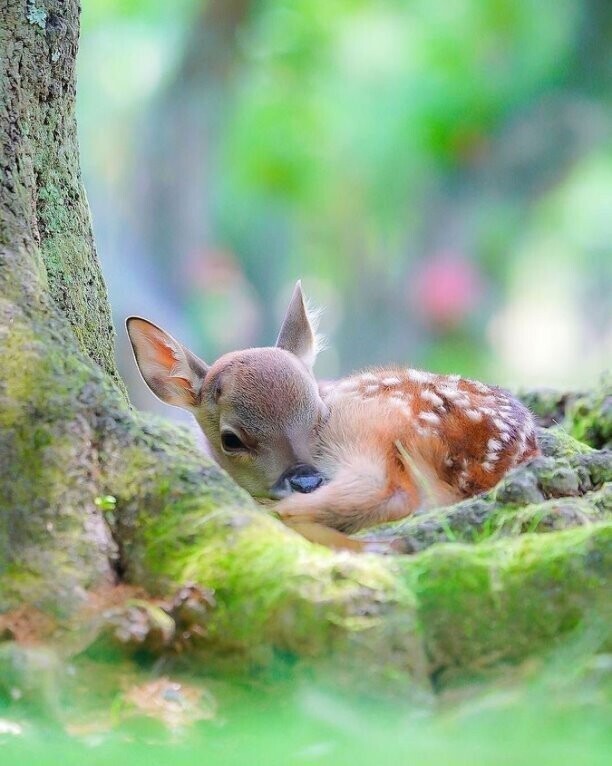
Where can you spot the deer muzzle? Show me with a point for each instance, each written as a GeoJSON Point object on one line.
{"type": "Point", "coordinates": [298, 478]}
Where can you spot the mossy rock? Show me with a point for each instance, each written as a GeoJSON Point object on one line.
{"type": "Point", "coordinates": [586, 415]}
{"type": "Point", "coordinates": [590, 416]}
{"type": "Point", "coordinates": [505, 600]}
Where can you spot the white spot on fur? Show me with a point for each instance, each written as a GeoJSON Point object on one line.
{"type": "Point", "coordinates": [479, 386]}
{"type": "Point", "coordinates": [487, 466]}
{"type": "Point", "coordinates": [450, 393]}
{"type": "Point", "coordinates": [474, 415]}
{"type": "Point", "coordinates": [505, 431]}
{"type": "Point", "coordinates": [419, 376]}
{"type": "Point", "coordinates": [493, 445]}
{"type": "Point", "coordinates": [399, 401]}
{"type": "Point", "coordinates": [390, 381]}
{"type": "Point", "coordinates": [431, 397]}
{"type": "Point", "coordinates": [369, 377]}
{"type": "Point", "coordinates": [490, 401]}
{"type": "Point", "coordinates": [372, 389]}
{"type": "Point", "coordinates": [522, 438]}
{"type": "Point", "coordinates": [430, 417]}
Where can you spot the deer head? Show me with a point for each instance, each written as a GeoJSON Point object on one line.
{"type": "Point", "coordinates": [260, 408]}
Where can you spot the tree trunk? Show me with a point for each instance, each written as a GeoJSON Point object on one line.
{"type": "Point", "coordinates": [93, 494]}
{"type": "Point", "coordinates": [66, 425]}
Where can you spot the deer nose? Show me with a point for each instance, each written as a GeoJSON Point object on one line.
{"type": "Point", "coordinates": [299, 478]}
{"type": "Point", "coordinates": [306, 481]}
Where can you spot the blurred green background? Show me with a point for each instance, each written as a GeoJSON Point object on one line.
{"type": "Point", "coordinates": [438, 172]}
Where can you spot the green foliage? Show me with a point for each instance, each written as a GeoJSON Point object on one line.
{"type": "Point", "coordinates": [346, 113]}
{"type": "Point", "coordinates": [352, 143]}
{"type": "Point", "coordinates": [142, 11]}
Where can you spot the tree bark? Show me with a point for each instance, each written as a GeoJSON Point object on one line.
{"type": "Point", "coordinates": [94, 494]}
{"type": "Point", "coordinates": [63, 409]}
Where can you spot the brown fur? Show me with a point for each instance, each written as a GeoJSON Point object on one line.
{"type": "Point", "coordinates": [392, 449]}
{"type": "Point", "coordinates": [389, 440]}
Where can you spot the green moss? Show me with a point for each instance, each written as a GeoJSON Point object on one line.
{"type": "Point", "coordinates": [493, 516]}
{"type": "Point", "coordinates": [48, 521]}
{"type": "Point", "coordinates": [551, 515]}
{"type": "Point", "coordinates": [509, 599]}
{"type": "Point", "coordinates": [547, 404]}
{"type": "Point", "coordinates": [474, 605]}
{"type": "Point", "coordinates": [590, 416]}
{"type": "Point", "coordinates": [79, 293]}
{"type": "Point", "coordinates": [557, 442]}
{"type": "Point", "coordinates": [67, 250]}
{"type": "Point", "coordinates": [259, 570]}
{"type": "Point", "coordinates": [277, 593]}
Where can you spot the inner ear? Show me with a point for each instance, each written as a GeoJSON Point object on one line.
{"type": "Point", "coordinates": [297, 334]}
{"type": "Point", "coordinates": [171, 371]}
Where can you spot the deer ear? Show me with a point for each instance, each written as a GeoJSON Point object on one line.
{"type": "Point", "coordinates": [171, 371]}
{"type": "Point", "coordinates": [297, 333]}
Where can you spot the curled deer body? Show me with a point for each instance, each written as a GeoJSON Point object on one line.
{"type": "Point", "coordinates": [369, 448]}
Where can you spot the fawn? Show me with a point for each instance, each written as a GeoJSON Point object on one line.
{"type": "Point", "coordinates": [372, 447]}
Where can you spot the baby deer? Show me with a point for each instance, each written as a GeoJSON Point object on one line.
{"type": "Point", "coordinates": [375, 446]}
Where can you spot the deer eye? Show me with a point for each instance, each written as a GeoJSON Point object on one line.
{"type": "Point", "coordinates": [232, 443]}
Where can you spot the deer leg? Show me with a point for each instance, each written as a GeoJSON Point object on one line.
{"type": "Point", "coordinates": [349, 502]}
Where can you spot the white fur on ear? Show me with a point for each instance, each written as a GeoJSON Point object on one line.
{"type": "Point", "coordinates": [171, 371]}
{"type": "Point", "coordinates": [298, 333]}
